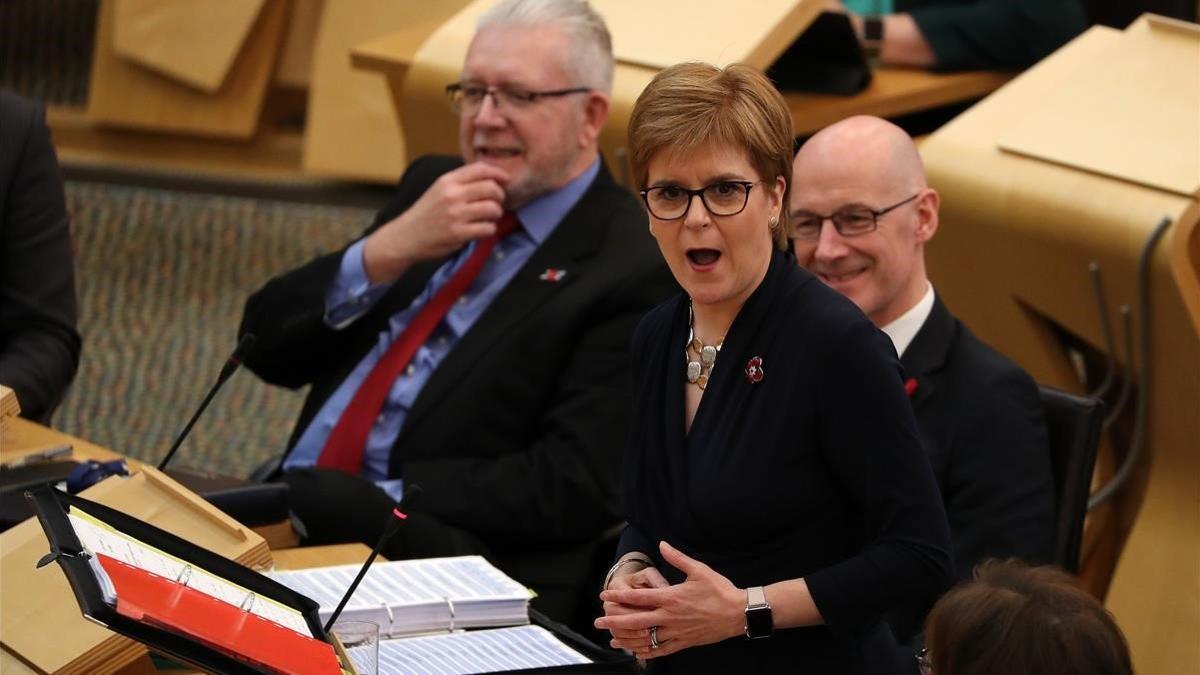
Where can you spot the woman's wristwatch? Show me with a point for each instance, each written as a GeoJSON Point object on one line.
{"type": "Point", "coordinates": [760, 623]}
{"type": "Point", "coordinates": [612, 571]}
{"type": "Point", "coordinates": [872, 36]}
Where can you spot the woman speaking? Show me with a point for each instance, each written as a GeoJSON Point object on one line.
{"type": "Point", "coordinates": [778, 498]}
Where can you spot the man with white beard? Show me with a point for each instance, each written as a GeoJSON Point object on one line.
{"type": "Point", "coordinates": [474, 340]}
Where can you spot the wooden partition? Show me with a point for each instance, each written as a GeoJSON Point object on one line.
{"type": "Point", "coordinates": [294, 68]}
{"type": "Point", "coordinates": [420, 65]}
{"type": "Point", "coordinates": [170, 69]}
{"type": "Point", "coordinates": [352, 130]}
{"type": "Point", "coordinates": [419, 61]}
{"type": "Point", "coordinates": [1075, 162]}
{"type": "Point", "coordinates": [193, 42]}
{"type": "Point", "coordinates": [125, 93]}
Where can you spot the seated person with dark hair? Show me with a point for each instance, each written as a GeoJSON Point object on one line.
{"type": "Point", "coordinates": [1017, 620]}
{"type": "Point", "coordinates": [861, 214]}
{"type": "Point", "coordinates": [39, 344]}
{"type": "Point", "coordinates": [965, 34]}
{"type": "Point", "coordinates": [475, 341]}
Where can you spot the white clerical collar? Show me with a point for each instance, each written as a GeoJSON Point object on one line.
{"type": "Point", "coordinates": [904, 329]}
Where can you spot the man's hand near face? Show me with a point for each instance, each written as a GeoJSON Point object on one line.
{"type": "Point", "coordinates": [461, 205]}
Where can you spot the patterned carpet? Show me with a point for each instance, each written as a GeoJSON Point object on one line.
{"type": "Point", "coordinates": [162, 276]}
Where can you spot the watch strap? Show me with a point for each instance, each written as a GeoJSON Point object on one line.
{"type": "Point", "coordinates": [759, 621]}
{"type": "Point", "coordinates": [755, 597]}
{"type": "Point", "coordinates": [872, 35]}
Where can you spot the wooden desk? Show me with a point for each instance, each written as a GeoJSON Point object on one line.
{"type": "Point", "coordinates": [41, 614]}
{"type": "Point", "coordinates": [321, 556]}
{"type": "Point", "coordinates": [24, 438]}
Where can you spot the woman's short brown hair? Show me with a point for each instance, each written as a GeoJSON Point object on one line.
{"type": "Point", "coordinates": [692, 105]}
{"type": "Point", "coordinates": [1018, 620]}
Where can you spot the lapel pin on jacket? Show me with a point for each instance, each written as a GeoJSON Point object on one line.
{"type": "Point", "coordinates": [754, 370]}
{"type": "Point", "coordinates": [553, 275]}
{"type": "Point", "coordinates": [910, 386]}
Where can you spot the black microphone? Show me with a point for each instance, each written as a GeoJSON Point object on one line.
{"type": "Point", "coordinates": [231, 364]}
{"type": "Point", "coordinates": [398, 517]}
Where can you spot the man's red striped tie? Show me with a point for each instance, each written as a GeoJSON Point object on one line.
{"type": "Point", "coordinates": [347, 441]}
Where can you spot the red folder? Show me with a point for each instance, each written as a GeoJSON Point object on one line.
{"type": "Point", "coordinates": [147, 597]}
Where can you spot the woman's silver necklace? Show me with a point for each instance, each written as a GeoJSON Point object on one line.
{"type": "Point", "coordinates": [699, 369]}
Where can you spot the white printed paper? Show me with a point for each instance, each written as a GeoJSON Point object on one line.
{"type": "Point", "coordinates": [414, 596]}
{"type": "Point", "coordinates": [481, 651]}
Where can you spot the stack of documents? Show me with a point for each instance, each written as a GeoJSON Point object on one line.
{"type": "Point", "coordinates": [483, 651]}
{"type": "Point", "coordinates": [417, 596]}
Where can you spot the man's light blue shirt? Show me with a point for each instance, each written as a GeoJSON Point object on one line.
{"type": "Point", "coordinates": [351, 295]}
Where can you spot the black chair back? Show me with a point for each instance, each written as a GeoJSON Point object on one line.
{"type": "Point", "coordinates": [1073, 424]}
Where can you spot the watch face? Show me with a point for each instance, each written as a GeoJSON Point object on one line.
{"type": "Point", "coordinates": [872, 29]}
{"type": "Point", "coordinates": [759, 622]}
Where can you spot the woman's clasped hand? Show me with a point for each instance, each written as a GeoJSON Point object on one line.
{"type": "Point", "coordinates": [704, 609]}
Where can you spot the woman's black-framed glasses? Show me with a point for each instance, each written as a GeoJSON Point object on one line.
{"type": "Point", "coordinates": [850, 221]}
{"type": "Point", "coordinates": [722, 198]}
{"type": "Point", "coordinates": [924, 665]}
{"type": "Point", "coordinates": [467, 98]}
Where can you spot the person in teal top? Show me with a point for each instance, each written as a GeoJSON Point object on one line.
{"type": "Point", "coordinates": [950, 35]}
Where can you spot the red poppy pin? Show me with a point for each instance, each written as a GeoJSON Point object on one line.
{"type": "Point", "coordinates": [910, 386]}
{"type": "Point", "coordinates": [754, 370]}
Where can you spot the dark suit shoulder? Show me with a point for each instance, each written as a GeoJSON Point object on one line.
{"type": "Point", "coordinates": [655, 326]}
{"type": "Point", "coordinates": [823, 303]}
{"type": "Point", "coordinates": [17, 117]}
{"type": "Point", "coordinates": [17, 112]}
{"type": "Point", "coordinates": [973, 364]}
{"type": "Point", "coordinates": [633, 260]}
{"type": "Point", "coordinates": [609, 218]}
{"type": "Point", "coordinates": [608, 201]}
{"type": "Point", "coordinates": [817, 313]}
{"type": "Point", "coordinates": [425, 169]}
{"type": "Point", "coordinates": [989, 397]}
{"type": "Point", "coordinates": [626, 220]}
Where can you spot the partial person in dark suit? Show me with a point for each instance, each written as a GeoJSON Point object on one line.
{"type": "Point", "coordinates": [775, 485]}
{"type": "Point", "coordinates": [510, 407]}
{"type": "Point", "coordinates": [39, 344]}
{"type": "Point", "coordinates": [861, 214]}
{"type": "Point", "coordinates": [965, 34]}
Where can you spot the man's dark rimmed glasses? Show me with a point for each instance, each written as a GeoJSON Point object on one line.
{"type": "Point", "coordinates": [722, 198]}
{"type": "Point", "coordinates": [849, 221]}
{"type": "Point", "coordinates": [467, 98]}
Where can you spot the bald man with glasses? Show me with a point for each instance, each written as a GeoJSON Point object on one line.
{"type": "Point", "coordinates": [862, 214]}
{"type": "Point", "coordinates": [474, 340]}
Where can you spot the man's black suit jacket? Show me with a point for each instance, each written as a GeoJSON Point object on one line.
{"type": "Point", "coordinates": [39, 344]}
{"type": "Point", "coordinates": [981, 421]}
{"type": "Point", "coordinates": [517, 437]}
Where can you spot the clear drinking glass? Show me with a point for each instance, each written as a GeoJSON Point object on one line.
{"type": "Point", "coordinates": [360, 639]}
